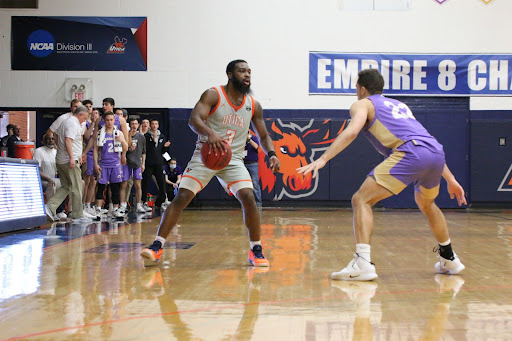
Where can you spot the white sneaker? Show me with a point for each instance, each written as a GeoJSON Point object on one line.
{"type": "Point", "coordinates": [118, 213]}
{"type": "Point", "coordinates": [82, 220]}
{"type": "Point", "coordinates": [446, 266]}
{"type": "Point", "coordinates": [140, 209]}
{"type": "Point", "coordinates": [146, 207]}
{"type": "Point", "coordinates": [90, 216]}
{"type": "Point", "coordinates": [100, 211]}
{"type": "Point", "coordinates": [359, 269]}
{"type": "Point", "coordinates": [110, 208]}
{"type": "Point", "coordinates": [49, 213]}
{"type": "Point", "coordinates": [61, 215]}
{"type": "Point", "coordinates": [91, 210]}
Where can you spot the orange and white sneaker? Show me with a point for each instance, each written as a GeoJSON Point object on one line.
{"type": "Point", "coordinates": [256, 257]}
{"type": "Point", "coordinates": [151, 255]}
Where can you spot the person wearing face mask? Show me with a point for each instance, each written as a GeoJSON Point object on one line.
{"type": "Point", "coordinates": [45, 155]}
{"type": "Point", "coordinates": [173, 174]}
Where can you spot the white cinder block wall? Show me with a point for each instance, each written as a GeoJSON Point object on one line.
{"type": "Point", "coordinates": [191, 41]}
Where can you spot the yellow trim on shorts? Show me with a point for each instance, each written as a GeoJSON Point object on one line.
{"type": "Point", "coordinates": [386, 180]}
{"type": "Point", "coordinates": [429, 193]}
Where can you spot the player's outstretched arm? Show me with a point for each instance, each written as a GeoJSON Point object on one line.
{"type": "Point", "coordinates": [208, 100]}
{"type": "Point", "coordinates": [454, 188]}
{"type": "Point", "coordinates": [265, 140]}
{"type": "Point", "coordinates": [359, 115]}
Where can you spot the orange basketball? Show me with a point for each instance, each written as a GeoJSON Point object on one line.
{"type": "Point", "coordinates": [213, 161]}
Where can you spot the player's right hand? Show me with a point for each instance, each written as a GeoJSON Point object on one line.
{"type": "Point", "coordinates": [215, 142]}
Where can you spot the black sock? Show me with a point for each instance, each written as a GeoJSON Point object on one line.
{"type": "Point", "coordinates": [157, 243]}
{"type": "Point", "coordinates": [446, 251]}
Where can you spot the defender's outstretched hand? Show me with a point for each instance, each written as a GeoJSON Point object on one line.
{"type": "Point", "coordinates": [312, 167]}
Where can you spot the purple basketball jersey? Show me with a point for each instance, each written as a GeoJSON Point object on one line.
{"type": "Point", "coordinates": [109, 158]}
{"type": "Point", "coordinates": [394, 124]}
{"type": "Point", "coordinates": [91, 151]}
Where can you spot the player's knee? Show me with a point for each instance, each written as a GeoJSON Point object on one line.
{"type": "Point", "coordinates": [183, 198]}
{"type": "Point", "coordinates": [358, 200]}
{"type": "Point", "coordinates": [246, 196]}
{"type": "Point", "coordinates": [425, 205]}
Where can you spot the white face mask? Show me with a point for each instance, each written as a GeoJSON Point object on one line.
{"type": "Point", "coordinates": [172, 166]}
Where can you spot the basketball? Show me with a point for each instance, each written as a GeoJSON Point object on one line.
{"type": "Point", "coordinates": [213, 161]}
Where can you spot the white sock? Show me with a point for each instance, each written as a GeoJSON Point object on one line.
{"type": "Point", "coordinates": [123, 204]}
{"type": "Point", "coordinates": [363, 250]}
{"type": "Point", "coordinates": [160, 239]}
{"type": "Point", "coordinates": [446, 242]}
{"type": "Point", "coordinates": [139, 204]}
{"type": "Point", "coordinates": [254, 243]}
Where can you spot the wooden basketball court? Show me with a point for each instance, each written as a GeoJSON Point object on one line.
{"type": "Point", "coordinates": [71, 282]}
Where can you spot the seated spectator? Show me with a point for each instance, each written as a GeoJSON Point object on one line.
{"type": "Point", "coordinates": [173, 174]}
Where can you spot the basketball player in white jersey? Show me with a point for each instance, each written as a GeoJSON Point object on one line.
{"type": "Point", "coordinates": [222, 113]}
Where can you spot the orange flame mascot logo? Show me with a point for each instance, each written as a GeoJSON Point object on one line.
{"type": "Point", "coordinates": [295, 147]}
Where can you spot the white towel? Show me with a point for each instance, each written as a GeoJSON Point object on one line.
{"type": "Point", "coordinates": [118, 147]}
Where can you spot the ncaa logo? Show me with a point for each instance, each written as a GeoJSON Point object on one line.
{"type": "Point", "coordinates": [40, 43]}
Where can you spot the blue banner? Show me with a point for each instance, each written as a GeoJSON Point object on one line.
{"type": "Point", "coordinates": [79, 43]}
{"type": "Point", "coordinates": [414, 74]}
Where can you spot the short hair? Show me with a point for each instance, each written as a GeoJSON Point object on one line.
{"type": "Point", "coordinates": [232, 64]}
{"type": "Point", "coordinates": [133, 119]}
{"type": "Point", "coordinates": [74, 101]}
{"type": "Point", "coordinates": [372, 80]}
{"type": "Point", "coordinates": [107, 113]}
{"type": "Point", "coordinates": [173, 159]}
{"type": "Point", "coordinates": [145, 119]}
{"type": "Point", "coordinates": [9, 127]}
{"type": "Point", "coordinates": [80, 109]}
{"type": "Point", "coordinates": [125, 112]}
{"type": "Point", "coordinates": [109, 100]}
{"type": "Point", "coordinates": [153, 119]}
{"type": "Point", "coordinates": [87, 101]}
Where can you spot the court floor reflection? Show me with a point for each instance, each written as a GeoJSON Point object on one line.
{"type": "Point", "coordinates": [88, 282]}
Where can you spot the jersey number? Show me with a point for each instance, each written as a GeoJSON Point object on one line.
{"type": "Point", "coordinates": [399, 111]}
{"type": "Point", "coordinates": [231, 135]}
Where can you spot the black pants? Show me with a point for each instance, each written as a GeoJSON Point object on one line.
{"type": "Point", "coordinates": [158, 172]}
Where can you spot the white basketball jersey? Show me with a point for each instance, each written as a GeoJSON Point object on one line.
{"type": "Point", "coordinates": [230, 122]}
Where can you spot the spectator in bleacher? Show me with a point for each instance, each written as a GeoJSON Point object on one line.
{"type": "Point", "coordinates": [10, 131]}
{"type": "Point", "coordinates": [15, 137]}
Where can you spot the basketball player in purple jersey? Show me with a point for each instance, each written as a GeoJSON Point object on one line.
{"type": "Point", "coordinates": [222, 113]}
{"type": "Point", "coordinates": [110, 146]}
{"type": "Point", "coordinates": [89, 176]}
{"type": "Point", "coordinates": [413, 155]}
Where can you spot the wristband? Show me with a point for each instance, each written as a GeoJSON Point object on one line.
{"type": "Point", "coordinates": [271, 153]}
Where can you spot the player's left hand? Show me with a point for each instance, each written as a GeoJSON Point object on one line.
{"type": "Point", "coordinates": [275, 164]}
{"type": "Point", "coordinates": [312, 167]}
{"type": "Point", "coordinates": [456, 190]}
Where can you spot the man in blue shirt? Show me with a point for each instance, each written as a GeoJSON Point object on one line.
{"type": "Point", "coordinates": [251, 163]}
